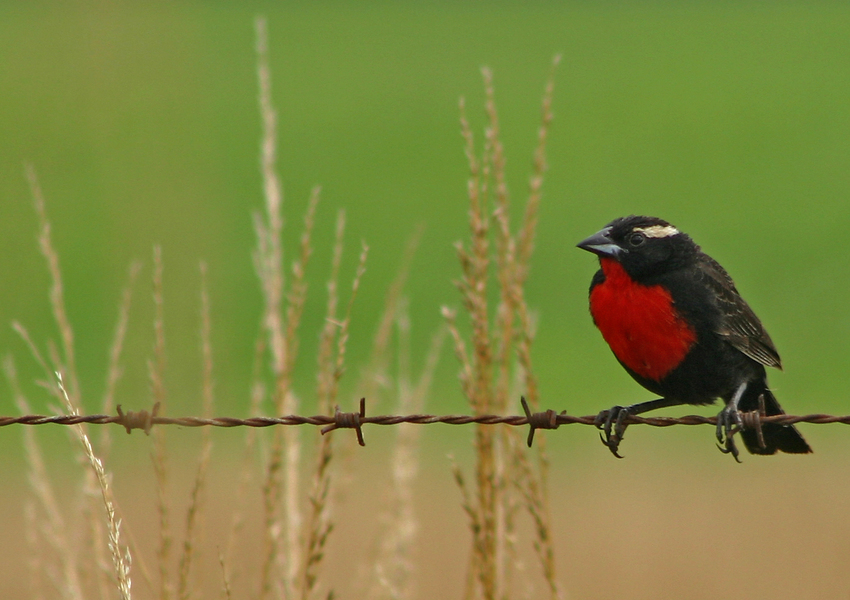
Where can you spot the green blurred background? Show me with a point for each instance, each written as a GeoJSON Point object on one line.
{"type": "Point", "coordinates": [729, 119]}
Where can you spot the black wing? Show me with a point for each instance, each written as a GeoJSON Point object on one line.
{"type": "Point", "coordinates": [739, 325]}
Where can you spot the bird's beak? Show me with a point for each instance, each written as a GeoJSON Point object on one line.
{"type": "Point", "coordinates": [599, 243]}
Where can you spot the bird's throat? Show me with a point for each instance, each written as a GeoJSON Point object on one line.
{"type": "Point", "coordinates": [640, 323]}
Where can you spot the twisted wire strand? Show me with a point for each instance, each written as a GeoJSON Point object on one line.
{"type": "Point", "coordinates": [418, 419]}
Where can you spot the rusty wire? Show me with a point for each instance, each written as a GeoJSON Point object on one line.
{"type": "Point", "coordinates": [549, 419]}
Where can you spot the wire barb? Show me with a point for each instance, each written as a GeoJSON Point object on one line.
{"type": "Point", "coordinates": [752, 420]}
{"type": "Point", "coordinates": [539, 420]}
{"type": "Point", "coordinates": [348, 420]}
{"type": "Point", "coordinates": [137, 420]}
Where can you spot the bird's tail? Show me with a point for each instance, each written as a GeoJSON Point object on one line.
{"type": "Point", "coordinates": [784, 438]}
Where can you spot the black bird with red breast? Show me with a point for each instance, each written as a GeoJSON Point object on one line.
{"type": "Point", "coordinates": [675, 321]}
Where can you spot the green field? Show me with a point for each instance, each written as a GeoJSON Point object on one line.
{"type": "Point", "coordinates": [731, 120]}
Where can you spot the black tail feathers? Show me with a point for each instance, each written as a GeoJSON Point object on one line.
{"type": "Point", "coordinates": [782, 438]}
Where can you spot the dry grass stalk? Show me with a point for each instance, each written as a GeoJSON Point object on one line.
{"type": "Point", "coordinates": [535, 488]}
{"type": "Point", "coordinates": [531, 485]}
{"type": "Point", "coordinates": [473, 287]}
{"type": "Point", "coordinates": [318, 526]}
{"type": "Point", "coordinates": [51, 523]}
{"type": "Point", "coordinates": [156, 372]}
{"type": "Point", "coordinates": [505, 506]}
{"type": "Point", "coordinates": [113, 370]}
{"type": "Point", "coordinates": [375, 375]}
{"type": "Point", "coordinates": [258, 393]}
{"type": "Point", "coordinates": [113, 375]}
{"type": "Point", "coordinates": [468, 506]}
{"type": "Point", "coordinates": [68, 364]}
{"type": "Point", "coordinates": [497, 352]}
{"type": "Point", "coordinates": [35, 567]}
{"type": "Point", "coordinates": [121, 558]}
{"type": "Point", "coordinates": [269, 260]}
{"type": "Point", "coordinates": [395, 565]}
{"type": "Point", "coordinates": [193, 513]}
{"type": "Point", "coordinates": [525, 242]}
{"type": "Point", "coordinates": [34, 351]}
{"type": "Point", "coordinates": [225, 580]}
{"type": "Point", "coordinates": [375, 379]}
{"type": "Point", "coordinates": [332, 347]}
{"type": "Point", "coordinates": [297, 295]}
{"type": "Point", "coordinates": [64, 363]}
{"type": "Point", "coordinates": [296, 300]}
{"type": "Point", "coordinates": [326, 377]}
{"type": "Point", "coordinates": [281, 490]}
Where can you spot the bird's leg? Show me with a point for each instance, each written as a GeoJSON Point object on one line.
{"type": "Point", "coordinates": [729, 416]}
{"type": "Point", "coordinates": [615, 419]}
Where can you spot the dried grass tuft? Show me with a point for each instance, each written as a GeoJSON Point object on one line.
{"type": "Point", "coordinates": [498, 354]}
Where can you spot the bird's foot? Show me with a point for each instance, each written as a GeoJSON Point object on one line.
{"type": "Point", "coordinates": [729, 422]}
{"type": "Point", "coordinates": [613, 424]}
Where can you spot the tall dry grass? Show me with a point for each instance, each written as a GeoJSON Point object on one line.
{"type": "Point", "coordinates": [302, 475]}
{"type": "Point", "coordinates": [496, 359]}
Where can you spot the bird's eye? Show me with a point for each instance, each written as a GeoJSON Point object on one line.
{"type": "Point", "coordinates": [636, 239]}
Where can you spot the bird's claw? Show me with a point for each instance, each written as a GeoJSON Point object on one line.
{"type": "Point", "coordinates": [729, 422]}
{"type": "Point", "coordinates": [613, 424]}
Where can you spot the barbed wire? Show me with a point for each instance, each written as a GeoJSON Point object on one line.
{"type": "Point", "coordinates": [548, 419]}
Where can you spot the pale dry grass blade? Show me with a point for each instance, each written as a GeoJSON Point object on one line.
{"type": "Point", "coordinates": [113, 375]}
{"type": "Point", "coordinates": [505, 252]}
{"type": "Point", "coordinates": [375, 375]}
{"type": "Point", "coordinates": [156, 371]}
{"type": "Point", "coordinates": [64, 363]}
{"type": "Point", "coordinates": [507, 505]}
{"type": "Point", "coordinates": [113, 370]}
{"type": "Point", "coordinates": [475, 525]}
{"type": "Point", "coordinates": [536, 485]}
{"type": "Point", "coordinates": [295, 308]}
{"type": "Point", "coordinates": [473, 287]}
{"type": "Point", "coordinates": [525, 242]}
{"type": "Point", "coordinates": [257, 395]}
{"type": "Point", "coordinates": [475, 263]}
{"type": "Point", "coordinates": [35, 566]}
{"type": "Point", "coordinates": [326, 374]}
{"type": "Point", "coordinates": [318, 526]}
{"type": "Point", "coordinates": [332, 349]}
{"type": "Point", "coordinates": [344, 326]}
{"type": "Point", "coordinates": [191, 540]}
{"type": "Point", "coordinates": [459, 345]}
{"type": "Point", "coordinates": [282, 561]}
{"type": "Point", "coordinates": [121, 558]}
{"type": "Point", "coordinates": [225, 580]}
{"type": "Point", "coordinates": [269, 254]}
{"type": "Point", "coordinates": [525, 239]}
{"type": "Point", "coordinates": [36, 354]}
{"type": "Point", "coordinates": [297, 296]}
{"type": "Point", "coordinates": [536, 501]}
{"type": "Point", "coordinates": [57, 291]}
{"type": "Point", "coordinates": [395, 565]}
{"type": "Point", "coordinates": [54, 529]}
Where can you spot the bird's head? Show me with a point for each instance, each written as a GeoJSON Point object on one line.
{"type": "Point", "coordinates": [642, 245]}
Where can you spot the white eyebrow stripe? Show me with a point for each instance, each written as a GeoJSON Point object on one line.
{"type": "Point", "coordinates": [658, 231]}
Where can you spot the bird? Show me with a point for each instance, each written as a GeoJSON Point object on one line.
{"type": "Point", "coordinates": [675, 321]}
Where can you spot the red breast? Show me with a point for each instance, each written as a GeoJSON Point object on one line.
{"type": "Point", "coordinates": [640, 323]}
